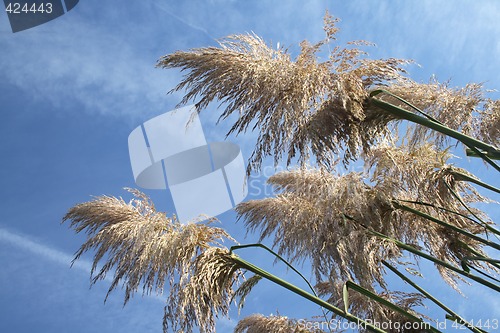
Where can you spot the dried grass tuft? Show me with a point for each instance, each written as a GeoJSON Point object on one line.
{"type": "Point", "coordinates": [299, 105]}
{"type": "Point", "coordinates": [304, 106]}
{"type": "Point", "coordinates": [456, 108]}
{"type": "Point", "coordinates": [313, 217]}
{"type": "Point", "coordinates": [244, 290]}
{"type": "Point", "coordinates": [326, 218]}
{"type": "Point", "coordinates": [258, 323]}
{"type": "Point", "coordinates": [421, 174]}
{"type": "Point", "coordinates": [206, 294]}
{"type": "Point", "coordinates": [488, 123]}
{"type": "Point", "coordinates": [146, 247]}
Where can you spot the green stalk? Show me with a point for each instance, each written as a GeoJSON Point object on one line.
{"type": "Point", "coordinates": [466, 267]}
{"type": "Point", "coordinates": [454, 315]}
{"type": "Point", "coordinates": [473, 153]}
{"type": "Point", "coordinates": [409, 104]}
{"type": "Point", "coordinates": [427, 256]}
{"type": "Point", "coordinates": [435, 125]}
{"type": "Point", "coordinates": [424, 255]}
{"type": "Point", "coordinates": [481, 223]}
{"type": "Point", "coordinates": [257, 270]}
{"type": "Point", "coordinates": [484, 224]}
{"type": "Point", "coordinates": [484, 274]}
{"type": "Point", "coordinates": [480, 255]}
{"type": "Point", "coordinates": [385, 302]}
{"type": "Point", "coordinates": [485, 156]}
{"type": "Point", "coordinates": [444, 224]}
{"type": "Point", "coordinates": [476, 181]}
{"type": "Point", "coordinates": [237, 247]}
{"type": "Point", "coordinates": [404, 114]}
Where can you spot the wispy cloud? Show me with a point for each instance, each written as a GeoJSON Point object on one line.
{"type": "Point", "coordinates": [86, 59]}
{"type": "Point", "coordinates": [441, 35]}
{"type": "Point", "coordinates": [82, 62]}
{"type": "Point", "coordinates": [46, 252]}
{"type": "Point", "coordinates": [184, 21]}
{"type": "Point", "coordinates": [41, 293]}
{"type": "Point", "coordinates": [42, 250]}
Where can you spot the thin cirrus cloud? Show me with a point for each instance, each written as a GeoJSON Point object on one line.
{"type": "Point", "coordinates": [106, 69]}
{"type": "Point", "coordinates": [444, 35]}
{"type": "Point", "coordinates": [182, 20]}
{"type": "Point", "coordinates": [27, 243]}
{"type": "Point", "coordinates": [100, 68]}
{"type": "Point", "coordinates": [41, 293]}
{"type": "Point", "coordinates": [41, 252]}
{"type": "Point", "coordinates": [45, 252]}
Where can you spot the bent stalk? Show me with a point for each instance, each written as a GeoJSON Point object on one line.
{"type": "Point", "coordinates": [474, 144]}
{"type": "Point", "coordinates": [257, 270]}
{"type": "Point", "coordinates": [454, 315]}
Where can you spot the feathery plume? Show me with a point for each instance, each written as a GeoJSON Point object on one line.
{"type": "Point", "coordinates": [328, 218]}
{"type": "Point", "coordinates": [305, 107]}
{"type": "Point", "coordinates": [244, 289]}
{"type": "Point", "coordinates": [419, 177]}
{"type": "Point", "coordinates": [258, 323]}
{"type": "Point", "coordinates": [488, 127]}
{"type": "Point", "coordinates": [147, 247]}
{"type": "Point", "coordinates": [456, 108]}
{"type": "Point", "coordinates": [321, 216]}
{"type": "Point", "coordinates": [207, 293]}
{"type": "Point", "coordinates": [289, 102]}
{"type": "Point", "coordinates": [419, 173]}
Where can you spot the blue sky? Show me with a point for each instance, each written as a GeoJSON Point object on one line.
{"type": "Point", "coordinates": [73, 89]}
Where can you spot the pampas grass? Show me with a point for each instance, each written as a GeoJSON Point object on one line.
{"type": "Point", "coordinates": [456, 108]}
{"type": "Point", "coordinates": [296, 105]}
{"type": "Point", "coordinates": [347, 225]}
{"type": "Point", "coordinates": [313, 216]}
{"type": "Point", "coordinates": [303, 106]}
{"type": "Point", "coordinates": [327, 218]}
{"type": "Point", "coordinates": [257, 323]}
{"type": "Point", "coordinates": [488, 124]}
{"type": "Point", "coordinates": [145, 247]}
{"type": "Point", "coordinates": [206, 295]}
